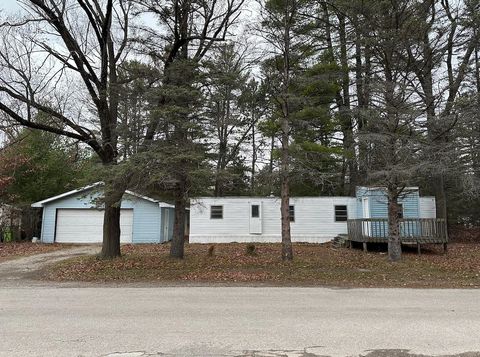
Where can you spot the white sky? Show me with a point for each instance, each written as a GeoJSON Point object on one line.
{"type": "Point", "coordinates": [9, 5]}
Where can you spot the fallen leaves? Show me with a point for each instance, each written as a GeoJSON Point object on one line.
{"type": "Point", "coordinates": [313, 265]}
{"type": "Point", "coordinates": [14, 250]}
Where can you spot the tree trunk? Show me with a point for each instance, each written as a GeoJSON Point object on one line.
{"type": "Point", "coordinates": [425, 75]}
{"type": "Point", "coordinates": [287, 251]}
{"type": "Point", "coordinates": [394, 243]}
{"type": "Point", "coordinates": [270, 160]}
{"type": "Point", "coordinates": [363, 79]}
{"type": "Point", "coordinates": [345, 112]}
{"type": "Point", "coordinates": [111, 223]}
{"type": "Point", "coordinates": [178, 240]}
{"type": "Point", "coordinates": [254, 156]}
{"type": "Point", "coordinates": [220, 169]}
{"type": "Point", "coordinates": [440, 196]}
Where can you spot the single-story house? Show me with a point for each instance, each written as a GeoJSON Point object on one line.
{"type": "Point", "coordinates": [313, 219]}
{"type": "Point", "coordinates": [73, 217]}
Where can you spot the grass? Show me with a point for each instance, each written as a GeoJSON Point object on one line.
{"type": "Point", "coordinates": [13, 250]}
{"type": "Point", "coordinates": [313, 265]}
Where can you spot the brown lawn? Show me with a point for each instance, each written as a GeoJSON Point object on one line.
{"type": "Point", "coordinates": [314, 265]}
{"type": "Point", "coordinates": [14, 250]}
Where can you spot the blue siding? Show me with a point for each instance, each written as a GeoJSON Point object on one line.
{"type": "Point", "coordinates": [378, 205]}
{"type": "Point", "coordinates": [378, 202]}
{"type": "Point", "coordinates": [147, 215]}
{"type": "Point", "coordinates": [360, 193]}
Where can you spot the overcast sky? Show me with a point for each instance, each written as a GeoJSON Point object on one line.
{"type": "Point", "coordinates": [9, 5]}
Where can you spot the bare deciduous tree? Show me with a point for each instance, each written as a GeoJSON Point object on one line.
{"type": "Point", "coordinates": [57, 46]}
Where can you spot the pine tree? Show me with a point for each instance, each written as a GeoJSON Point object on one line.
{"type": "Point", "coordinates": [228, 127]}
{"type": "Point", "coordinates": [285, 30]}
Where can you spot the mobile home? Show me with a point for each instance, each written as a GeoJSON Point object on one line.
{"type": "Point", "coordinates": [313, 219]}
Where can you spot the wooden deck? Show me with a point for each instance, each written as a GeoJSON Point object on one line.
{"type": "Point", "coordinates": [412, 231]}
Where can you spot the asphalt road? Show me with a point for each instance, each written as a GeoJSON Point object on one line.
{"type": "Point", "coordinates": [201, 321]}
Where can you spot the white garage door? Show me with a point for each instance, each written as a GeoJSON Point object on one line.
{"type": "Point", "coordinates": [86, 226]}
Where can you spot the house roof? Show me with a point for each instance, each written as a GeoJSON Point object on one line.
{"type": "Point", "coordinates": [42, 203]}
{"type": "Point", "coordinates": [373, 188]}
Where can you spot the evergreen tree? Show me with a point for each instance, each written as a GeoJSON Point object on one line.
{"type": "Point", "coordinates": [317, 154]}
{"type": "Point", "coordinates": [286, 32]}
{"type": "Point", "coordinates": [254, 106]}
{"type": "Point", "coordinates": [191, 29]}
{"type": "Point", "coordinates": [228, 127]}
{"type": "Point", "coordinates": [38, 165]}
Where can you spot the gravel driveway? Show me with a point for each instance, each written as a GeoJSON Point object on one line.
{"type": "Point", "coordinates": [22, 271]}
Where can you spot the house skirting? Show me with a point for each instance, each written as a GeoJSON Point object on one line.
{"type": "Point", "coordinates": [258, 238]}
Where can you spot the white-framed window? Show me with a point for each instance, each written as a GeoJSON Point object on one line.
{"type": "Point", "coordinates": [341, 213]}
{"type": "Point", "coordinates": [291, 213]}
{"type": "Point", "coordinates": [216, 212]}
{"type": "Point", "coordinates": [255, 211]}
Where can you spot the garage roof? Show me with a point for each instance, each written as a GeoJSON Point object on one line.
{"type": "Point", "coordinates": [42, 203]}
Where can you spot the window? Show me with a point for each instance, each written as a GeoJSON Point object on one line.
{"type": "Point", "coordinates": [255, 211]}
{"type": "Point", "coordinates": [216, 212]}
{"type": "Point", "coordinates": [400, 211]}
{"type": "Point", "coordinates": [341, 213]}
{"type": "Point", "coordinates": [291, 213]}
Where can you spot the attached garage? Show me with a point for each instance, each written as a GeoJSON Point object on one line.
{"type": "Point", "coordinates": [73, 217]}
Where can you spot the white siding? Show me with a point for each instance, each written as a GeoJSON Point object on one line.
{"type": "Point", "coordinates": [314, 219]}
{"type": "Point", "coordinates": [427, 207]}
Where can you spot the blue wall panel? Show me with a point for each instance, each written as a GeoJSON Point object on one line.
{"type": "Point", "coordinates": [147, 215]}
{"type": "Point", "coordinates": [378, 205]}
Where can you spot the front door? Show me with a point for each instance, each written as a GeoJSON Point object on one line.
{"type": "Point", "coordinates": [166, 224]}
{"type": "Point", "coordinates": [366, 214]}
{"type": "Point", "coordinates": [255, 218]}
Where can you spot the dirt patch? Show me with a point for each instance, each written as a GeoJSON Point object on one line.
{"type": "Point", "coordinates": [314, 265]}
{"type": "Point", "coordinates": [15, 250]}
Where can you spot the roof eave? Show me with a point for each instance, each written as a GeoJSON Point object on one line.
{"type": "Point", "coordinates": [41, 204]}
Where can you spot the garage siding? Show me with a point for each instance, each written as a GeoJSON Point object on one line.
{"type": "Point", "coordinates": [146, 215]}
{"type": "Point", "coordinates": [147, 218]}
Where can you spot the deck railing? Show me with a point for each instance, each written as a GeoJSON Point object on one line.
{"type": "Point", "coordinates": [412, 230]}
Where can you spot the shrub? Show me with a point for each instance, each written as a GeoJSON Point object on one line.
{"type": "Point", "coordinates": [211, 251]}
{"type": "Point", "coordinates": [251, 249]}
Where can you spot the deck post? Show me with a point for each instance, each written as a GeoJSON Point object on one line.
{"type": "Point", "coordinates": [419, 250]}
{"type": "Point", "coordinates": [365, 247]}
{"type": "Point", "coordinates": [445, 248]}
